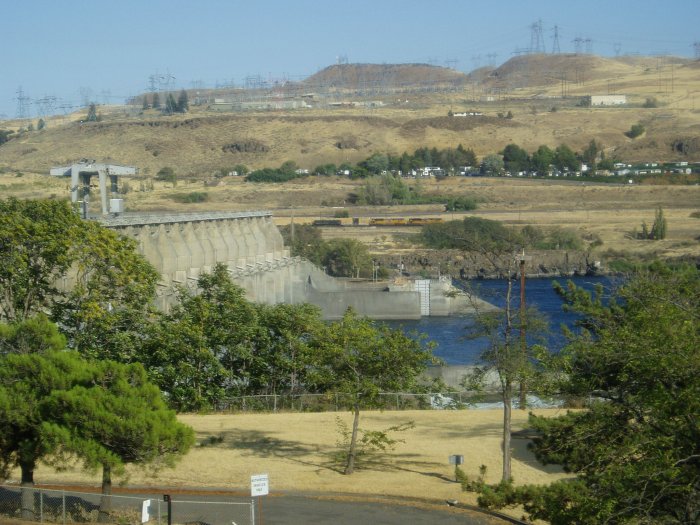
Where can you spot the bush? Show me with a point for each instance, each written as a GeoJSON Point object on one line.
{"type": "Point", "coordinates": [461, 203]}
{"type": "Point", "coordinates": [650, 102]}
{"type": "Point", "coordinates": [167, 174]}
{"type": "Point", "coordinates": [635, 131]}
{"type": "Point", "coordinates": [193, 197]}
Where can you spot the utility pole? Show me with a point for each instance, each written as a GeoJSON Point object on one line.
{"type": "Point", "coordinates": [522, 258]}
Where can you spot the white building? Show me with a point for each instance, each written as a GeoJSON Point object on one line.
{"type": "Point", "coordinates": [608, 100]}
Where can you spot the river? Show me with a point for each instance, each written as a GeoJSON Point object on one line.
{"type": "Point", "coordinates": [449, 332]}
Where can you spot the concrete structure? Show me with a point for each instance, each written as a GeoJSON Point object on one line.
{"type": "Point", "coordinates": [608, 100]}
{"type": "Point", "coordinates": [184, 246]}
{"type": "Point", "coordinates": [81, 173]}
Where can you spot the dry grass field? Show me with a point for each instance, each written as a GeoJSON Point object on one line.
{"type": "Point", "coordinates": [297, 449]}
{"type": "Point", "coordinates": [608, 211]}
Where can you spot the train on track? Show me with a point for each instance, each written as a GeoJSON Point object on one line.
{"type": "Point", "coordinates": [379, 221]}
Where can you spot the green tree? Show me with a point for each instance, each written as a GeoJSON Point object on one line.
{"type": "Point", "coordinates": [362, 359]}
{"type": "Point", "coordinates": [183, 104]}
{"type": "Point", "coordinates": [515, 158]}
{"type": "Point", "coordinates": [241, 169]}
{"type": "Point", "coordinates": [376, 164]}
{"type": "Point", "coordinates": [204, 348]}
{"type": "Point", "coordinates": [167, 174]}
{"type": "Point", "coordinates": [44, 243]}
{"type": "Point", "coordinates": [120, 419]}
{"type": "Point", "coordinates": [92, 113]}
{"type": "Point", "coordinates": [28, 336]}
{"type": "Point", "coordinates": [492, 165]}
{"type": "Point", "coordinates": [590, 154]}
{"type": "Point", "coordinates": [635, 449]}
{"type": "Point", "coordinates": [145, 105]}
{"type": "Point", "coordinates": [304, 240]}
{"type": "Point", "coordinates": [635, 131]}
{"type": "Point", "coordinates": [37, 249]}
{"type": "Point", "coordinates": [516, 337]}
{"type": "Point", "coordinates": [170, 104]}
{"type": "Point", "coordinates": [346, 258]}
{"type": "Point", "coordinates": [104, 313]}
{"type": "Point", "coordinates": [565, 159]}
{"type": "Point", "coordinates": [28, 428]}
{"type": "Point", "coordinates": [658, 229]}
{"type": "Point", "coordinates": [287, 346]}
{"type": "Point", "coordinates": [156, 101]}
{"type": "Point", "coordinates": [41, 124]}
{"type": "Point", "coordinates": [542, 159]}
{"type": "Point", "coordinates": [5, 135]}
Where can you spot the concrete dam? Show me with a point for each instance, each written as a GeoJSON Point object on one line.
{"type": "Point", "coordinates": [183, 246]}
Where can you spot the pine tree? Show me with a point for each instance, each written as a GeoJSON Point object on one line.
{"type": "Point", "coordinates": [182, 102]}
{"type": "Point", "coordinates": [92, 113]}
{"type": "Point", "coordinates": [170, 104]}
{"type": "Point", "coordinates": [658, 228]}
{"type": "Point", "coordinates": [156, 101]}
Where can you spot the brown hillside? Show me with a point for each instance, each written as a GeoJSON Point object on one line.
{"type": "Point", "coordinates": [358, 76]}
{"type": "Point", "coordinates": [203, 141]}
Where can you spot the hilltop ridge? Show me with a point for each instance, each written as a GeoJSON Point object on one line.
{"type": "Point", "coordinates": [543, 93]}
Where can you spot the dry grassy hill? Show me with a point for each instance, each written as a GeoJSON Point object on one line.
{"type": "Point", "coordinates": [201, 142]}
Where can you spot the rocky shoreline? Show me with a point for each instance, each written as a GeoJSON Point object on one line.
{"type": "Point", "coordinates": [458, 265]}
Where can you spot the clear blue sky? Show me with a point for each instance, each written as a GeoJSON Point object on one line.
{"type": "Point", "coordinates": [106, 50]}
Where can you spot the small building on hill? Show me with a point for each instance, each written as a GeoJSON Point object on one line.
{"type": "Point", "coordinates": [607, 100]}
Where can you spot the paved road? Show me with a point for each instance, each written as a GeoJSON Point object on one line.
{"type": "Point", "coordinates": [218, 508]}
{"type": "Point", "coordinates": [310, 510]}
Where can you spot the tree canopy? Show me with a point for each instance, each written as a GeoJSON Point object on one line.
{"type": "Point", "coordinates": [362, 359]}
{"type": "Point", "coordinates": [84, 276]}
{"type": "Point", "coordinates": [635, 450]}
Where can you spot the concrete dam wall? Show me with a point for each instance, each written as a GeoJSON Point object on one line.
{"type": "Point", "coordinates": [184, 246]}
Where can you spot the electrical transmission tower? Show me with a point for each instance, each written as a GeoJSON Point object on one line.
{"type": "Point", "coordinates": [46, 105]}
{"type": "Point", "coordinates": [589, 46]}
{"type": "Point", "coordinates": [578, 45]}
{"type": "Point", "coordinates": [696, 45]}
{"type": "Point", "coordinates": [491, 57]}
{"type": "Point", "coordinates": [22, 104]}
{"type": "Point", "coordinates": [617, 47]}
{"type": "Point", "coordinates": [451, 63]}
{"type": "Point", "coordinates": [555, 46]}
{"type": "Point", "coordinates": [536, 39]}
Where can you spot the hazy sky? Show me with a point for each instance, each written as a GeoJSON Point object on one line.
{"type": "Point", "coordinates": [105, 50]}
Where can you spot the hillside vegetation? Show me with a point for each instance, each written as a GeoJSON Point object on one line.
{"type": "Point", "coordinates": [531, 87]}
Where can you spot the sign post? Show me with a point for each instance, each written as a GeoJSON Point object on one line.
{"type": "Point", "coordinates": [259, 486]}
{"type": "Point", "coordinates": [456, 460]}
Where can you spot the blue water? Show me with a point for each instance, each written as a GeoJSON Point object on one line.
{"type": "Point", "coordinates": [449, 332]}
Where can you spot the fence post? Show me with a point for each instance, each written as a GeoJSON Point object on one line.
{"type": "Point", "coordinates": [41, 507]}
{"type": "Point", "coordinates": [166, 498]}
{"type": "Point", "coordinates": [63, 505]}
{"type": "Point", "coordinates": [252, 511]}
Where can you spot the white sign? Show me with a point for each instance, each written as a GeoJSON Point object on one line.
{"type": "Point", "coordinates": [259, 485]}
{"type": "Point", "coordinates": [145, 511]}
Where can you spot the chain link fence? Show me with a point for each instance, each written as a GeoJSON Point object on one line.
{"type": "Point", "coordinates": [337, 402]}
{"type": "Point", "coordinates": [33, 504]}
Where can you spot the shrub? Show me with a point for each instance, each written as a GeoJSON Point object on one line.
{"type": "Point", "coordinates": [193, 197]}
{"type": "Point", "coordinates": [167, 174]}
{"type": "Point", "coordinates": [650, 102]}
{"type": "Point", "coordinates": [635, 131]}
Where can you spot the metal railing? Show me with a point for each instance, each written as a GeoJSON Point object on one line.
{"type": "Point", "coordinates": [41, 505]}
